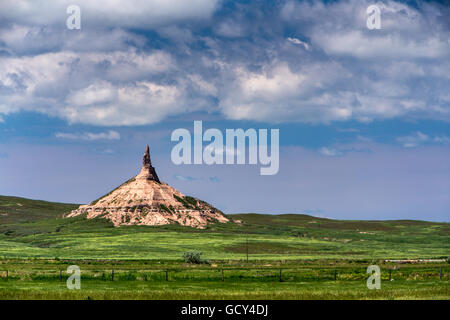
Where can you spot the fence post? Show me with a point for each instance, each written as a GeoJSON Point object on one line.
{"type": "Point", "coordinates": [7, 274]}
{"type": "Point", "coordinates": [112, 275]}
{"type": "Point", "coordinates": [440, 273]}
{"type": "Point", "coordinates": [390, 274]}
{"type": "Point", "coordinates": [280, 276]}
{"type": "Point", "coordinates": [60, 275]}
{"type": "Point", "coordinates": [247, 248]}
{"type": "Point", "coordinates": [223, 278]}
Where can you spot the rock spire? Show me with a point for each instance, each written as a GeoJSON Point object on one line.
{"type": "Point", "coordinates": [147, 170]}
{"type": "Point", "coordinates": [145, 200]}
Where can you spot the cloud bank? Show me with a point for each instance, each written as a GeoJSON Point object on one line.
{"type": "Point", "coordinates": [145, 61]}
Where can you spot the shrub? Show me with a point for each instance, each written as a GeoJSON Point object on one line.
{"type": "Point", "coordinates": [194, 257]}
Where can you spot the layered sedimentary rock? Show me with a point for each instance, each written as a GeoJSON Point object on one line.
{"type": "Point", "coordinates": [145, 200]}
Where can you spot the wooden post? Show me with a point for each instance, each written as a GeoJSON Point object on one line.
{"type": "Point", "coordinates": [7, 274]}
{"type": "Point", "coordinates": [167, 275]}
{"type": "Point", "coordinates": [390, 274]}
{"type": "Point", "coordinates": [335, 274]}
{"type": "Point", "coordinates": [247, 248]}
{"type": "Point", "coordinates": [440, 273]}
{"type": "Point", "coordinates": [223, 278]}
{"type": "Point", "coordinates": [112, 275]}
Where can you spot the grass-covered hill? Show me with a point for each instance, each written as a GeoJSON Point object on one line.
{"type": "Point", "coordinates": [16, 210]}
{"type": "Point", "coordinates": [32, 228]}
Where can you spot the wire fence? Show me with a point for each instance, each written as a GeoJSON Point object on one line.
{"type": "Point", "coordinates": [230, 274]}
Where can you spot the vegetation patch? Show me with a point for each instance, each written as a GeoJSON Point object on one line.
{"type": "Point", "coordinates": [271, 248]}
{"type": "Point", "coordinates": [164, 208]}
{"type": "Point", "coordinates": [194, 257]}
{"type": "Point", "coordinates": [185, 203]}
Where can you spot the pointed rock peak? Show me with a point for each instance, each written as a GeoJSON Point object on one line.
{"type": "Point", "coordinates": [144, 200]}
{"type": "Point", "coordinates": [146, 161]}
{"type": "Point", "coordinates": [148, 171]}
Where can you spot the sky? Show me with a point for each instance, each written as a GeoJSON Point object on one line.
{"type": "Point", "coordinates": [363, 114]}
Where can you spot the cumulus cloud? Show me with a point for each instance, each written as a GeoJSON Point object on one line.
{"type": "Point", "coordinates": [89, 136]}
{"type": "Point", "coordinates": [112, 13]}
{"type": "Point", "coordinates": [278, 93]}
{"type": "Point", "coordinates": [237, 67]}
{"type": "Point", "coordinates": [413, 140]}
{"type": "Point", "coordinates": [345, 33]}
{"type": "Point", "coordinates": [98, 88]}
{"type": "Point", "coordinates": [419, 138]}
{"type": "Point", "coordinates": [143, 103]}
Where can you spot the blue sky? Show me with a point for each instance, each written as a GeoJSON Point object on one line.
{"type": "Point", "coordinates": [363, 114]}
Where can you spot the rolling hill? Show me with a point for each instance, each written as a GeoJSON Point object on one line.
{"type": "Point", "coordinates": [33, 228]}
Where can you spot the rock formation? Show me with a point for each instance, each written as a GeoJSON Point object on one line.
{"type": "Point", "coordinates": [145, 200]}
{"type": "Point", "coordinates": [147, 168]}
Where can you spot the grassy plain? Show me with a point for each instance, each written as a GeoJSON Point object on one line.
{"type": "Point", "coordinates": [36, 243]}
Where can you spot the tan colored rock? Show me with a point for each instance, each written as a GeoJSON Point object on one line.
{"type": "Point", "coordinates": [145, 200]}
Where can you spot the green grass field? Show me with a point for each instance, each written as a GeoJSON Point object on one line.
{"type": "Point", "coordinates": [36, 242]}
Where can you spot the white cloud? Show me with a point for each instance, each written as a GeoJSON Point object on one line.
{"type": "Point", "coordinates": [143, 103]}
{"type": "Point", "coordinates": [279, 93]}
{"type": "Point", "coordinates": [418, 138]}
{"type": "Point", "coordinates": [222, 151]}
{"type": "Point", "coordinates": [329, 152]}
{"type": "Point", "coordinates": [442, 139]}
{"type": "Point", "coordinates": [106, 75]}
{"type": "Point", "coordinates": [230, 29]}
{"type": "Point", "coordinates": [185, 178]}
{"type": "Point", "coordinates": [339, 28]}
{"type": "Point", "coordinates": [23, 39]}
{"type": "Point", "coordinates": [359, 44]}
{"type": "Point", "coordinates": [202, 85]}
{"type": "Point", "coordinates": [108, 13]}
{"type": "Point", "coordinates": [363, 138]}
{"type": "Point", "coordinates": [98, 88]}
{"type": "Point", "coordinates": [350, 130]}
{"type": "Point", "coordinates": [258, 95]}
{"type": "Point", "coordinates": [108, 151]}
{"type": "Point", "coordinates": [89, 136]}
{"type": "Point", "coordinates": [299, 42]}
{"type": "Point", "coordinates": [413, 140]}
{"type": "Point", "coordinates": [97, 93]}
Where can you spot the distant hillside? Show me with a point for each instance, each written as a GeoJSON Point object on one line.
{"type": "Point", "coordinates": [33, 228]}
{"type": "Point", "coordinates": [15, 209]}
{"type": "Point", "coordinates": [303, 220]}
